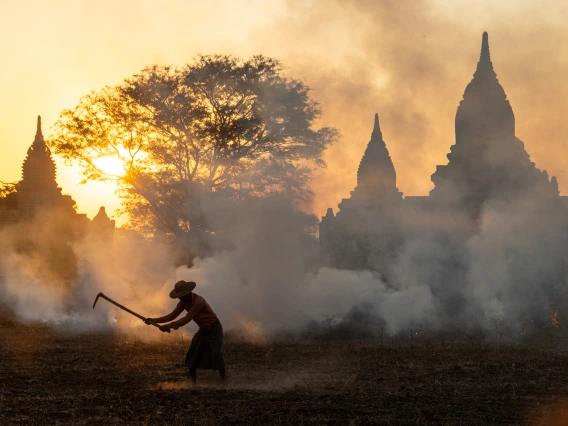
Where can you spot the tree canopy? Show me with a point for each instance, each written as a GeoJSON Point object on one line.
{"type": "Point", "coordinates": [6, 188]}
{"type": "Point", "coordinates": [219, 127]}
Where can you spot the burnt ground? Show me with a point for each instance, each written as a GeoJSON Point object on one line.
{"type": "Point", "coordinates": [48, 378]}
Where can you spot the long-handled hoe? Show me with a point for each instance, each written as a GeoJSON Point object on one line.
{"type": "Point", "coordinates": [124, 308]}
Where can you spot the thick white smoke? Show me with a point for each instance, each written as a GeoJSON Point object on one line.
{"type": "Point", "coordinates": [131, 273]}
{"type": "Point", "coordinates": [272, 278]}
{"type": "Point", "coordinates": [509, 270]}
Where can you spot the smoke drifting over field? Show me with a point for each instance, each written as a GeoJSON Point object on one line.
{"type": "Point", "coordinates": [391, 56]}
{"type": "Point", "coordinates": [273, 281]}
{"type": "Point", "coordinates": [270, 282]}
{"type": "Point", "coordinates": [32, 290]}
{"type": "Point", "coordinates": [506, 274]}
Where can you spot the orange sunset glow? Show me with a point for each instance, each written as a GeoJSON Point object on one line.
{"type": "Point", "coordinates": [408, 61]}
{"type": "Point", "coordinates": [292, 212]}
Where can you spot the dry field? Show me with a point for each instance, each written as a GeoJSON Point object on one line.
{"type": "Point", "coordinates": [47, 378]}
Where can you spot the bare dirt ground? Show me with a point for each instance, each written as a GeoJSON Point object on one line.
{"type": "Point", "coordinates": [48, 378]}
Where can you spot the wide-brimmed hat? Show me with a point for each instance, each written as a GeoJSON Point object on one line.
{"type": "Point", "coordinates": [182, 288]}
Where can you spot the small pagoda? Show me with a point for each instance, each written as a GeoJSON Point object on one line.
{"type": "Point", "coordinates": [44, 220]}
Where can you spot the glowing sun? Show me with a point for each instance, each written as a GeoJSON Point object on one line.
{"type": "Point", "coordinates": [111, 166]}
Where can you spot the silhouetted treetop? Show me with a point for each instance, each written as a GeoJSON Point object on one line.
{"type": "Point", "coordinates": [7, 188]}
{"type": "Point", "coordinates": [218, 125]}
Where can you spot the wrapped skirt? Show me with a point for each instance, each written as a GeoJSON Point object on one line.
{"type": "Point", "coordinates": [206, 348]}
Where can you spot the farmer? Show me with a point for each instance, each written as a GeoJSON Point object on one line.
{"type": "Point", "coordinates": [206, 349]}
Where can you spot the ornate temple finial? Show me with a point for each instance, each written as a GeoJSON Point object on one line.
{"type": "Point", "coordinates": [376, 128]}
{"type": "Point", "coordinates": [39, 135]}
{"type": "Point", "coordinates": [484, 57]}
{"type": "Point", "coordinates": [484, 66]}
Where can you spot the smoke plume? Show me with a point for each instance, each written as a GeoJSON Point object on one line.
{"type": "Point", "coordinates": [272, 278]}
{"type": "Point", "coordinates": [409, 61]}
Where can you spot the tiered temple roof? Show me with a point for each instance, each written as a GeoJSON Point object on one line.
{"type": "Point", "coordinates": [487, 160]}
{"type": "Point", "coordinates": [376, 176]}
{"type": "Point", "coordinates": [38, 191]}
{"type": "Point", "coordinates": [38, 169]}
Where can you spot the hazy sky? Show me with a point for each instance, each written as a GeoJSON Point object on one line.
{"type": "Point", "coordinates": [408, 60]}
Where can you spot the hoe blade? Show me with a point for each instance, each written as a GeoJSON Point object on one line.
{"type": "Point", "coordinates": [98, 295]}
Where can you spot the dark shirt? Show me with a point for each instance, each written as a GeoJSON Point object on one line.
{"type": "Point", "coordinates": [198, 310]}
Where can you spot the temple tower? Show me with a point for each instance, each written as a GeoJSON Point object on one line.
{"type": "Point", "coordinates": [487, 160]}
{"type": "Point", "coordinates": [484, 114]}
{"type": "Point", "coordinates": [48, 224]}
{"type": "Point", "coordinates": [376, 176]}
{"type": "Point", "coordinates": [102, 227]}
{"type": "Point", "coordinates": [38, 169]}
{"type": "Point", "coordinates": [363, 234]}
{"type": "Point", "coordinates": [38, 188]}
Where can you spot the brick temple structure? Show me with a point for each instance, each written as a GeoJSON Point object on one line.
{"type": "Point", "coordinates": [45, 221]}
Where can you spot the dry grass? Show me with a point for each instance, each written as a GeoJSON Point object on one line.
{"type": "Point", "coordinates": [47, 378]}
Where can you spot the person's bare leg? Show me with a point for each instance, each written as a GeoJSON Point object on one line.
{"type": "Point", "coordinates": [223, 374]}
{"type": "Point", "coordinates": [193, 375]}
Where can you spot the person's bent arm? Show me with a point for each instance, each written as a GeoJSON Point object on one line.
{"type": "Point", "coordinates": [197, 306]}
{"type": "Point", "coordinates": [171, 316]}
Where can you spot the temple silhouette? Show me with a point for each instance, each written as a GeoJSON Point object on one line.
{"type": "Point", "coordinates": [487, 160]}
{"type": "Point", "coordinates": [48, 224]}
{"type": "Point", "coordinates": [488, 167]}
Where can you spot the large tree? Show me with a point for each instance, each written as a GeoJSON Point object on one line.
{"type": "Point", "coordinates": [219, 128]}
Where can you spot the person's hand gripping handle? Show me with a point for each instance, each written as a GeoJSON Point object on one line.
{"type": "Point", "coordinates": [150, 321]}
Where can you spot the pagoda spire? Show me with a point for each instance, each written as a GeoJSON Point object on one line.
{"type": "Point", "coordinates": [377, 134]}
{"type": "Point", "coordinates": [485, 56]}
{"type": "Point", "coordinates": [38, 170]}
{"type": "Point", "coordinates": [487, 158]}
{"type": "Point", "coordinates": [376, 171]}
{"type": "Point", "coordinates": [485, 66]}
{"type": "Point", "coordinates": [39, 141]}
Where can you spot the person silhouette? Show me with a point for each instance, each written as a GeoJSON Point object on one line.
{"type": "Point", "coordinates": [206, 348]}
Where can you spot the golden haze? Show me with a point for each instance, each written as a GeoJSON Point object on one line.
{"type": "Point", "coordinates": [407, 60]}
